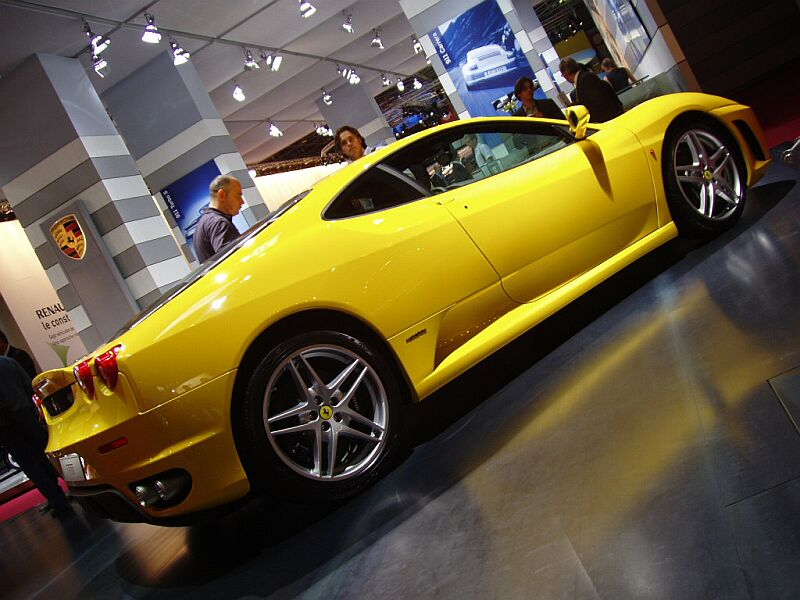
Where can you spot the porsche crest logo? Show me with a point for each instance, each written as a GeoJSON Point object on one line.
{"type": "Point", "coordinates": [69, 237]}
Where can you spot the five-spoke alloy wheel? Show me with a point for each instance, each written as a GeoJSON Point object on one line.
{"type": "Point", "coordinates": [705, 180]}
{"type": "Point", "coordinates": [320, 416]}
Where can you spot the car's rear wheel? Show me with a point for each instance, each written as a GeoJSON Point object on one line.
{"type": "Point", "coordinates": [705, 178]}
{"type": "Point", "coordinates": [321, 417]}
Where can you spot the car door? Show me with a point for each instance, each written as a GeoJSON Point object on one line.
{"type": "Point", "coordinates": [556, 208]}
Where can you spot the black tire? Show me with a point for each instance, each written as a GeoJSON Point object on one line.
{"type": "Point", "coordinates": [314, 395]}
{"type": "Point", "coordinates": [705, 179]}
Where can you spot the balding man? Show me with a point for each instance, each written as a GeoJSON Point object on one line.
{"type": "Point", "coordinates": [215, 229]}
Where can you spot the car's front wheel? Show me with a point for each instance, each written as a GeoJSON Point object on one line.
{"type": "Point", "coordinates": [321, 417]}
{"type": "Point", "coordinates": [705, 178]}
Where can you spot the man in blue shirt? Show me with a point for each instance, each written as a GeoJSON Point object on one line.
{"type": "Point", "coordinates": [215, 229]}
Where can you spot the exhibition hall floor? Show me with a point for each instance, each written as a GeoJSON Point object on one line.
{"type": "Point", "coordinates": [641, 444]}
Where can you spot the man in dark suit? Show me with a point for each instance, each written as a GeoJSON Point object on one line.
{"type": "Point", "coordinates": [23, 436]}
{"type": "Point", "coordinates": [18, 354]}
{"type": "Point", "coordinates": [596, 95]}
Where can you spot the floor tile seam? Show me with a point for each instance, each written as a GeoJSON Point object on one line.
{"type": "Point", "coordinates": [764, 491]}
{"type": "Point", "coordinates": [783, 404]}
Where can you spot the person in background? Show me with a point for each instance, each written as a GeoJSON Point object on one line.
{"type": "Point", "coordinates": [23, 436]}
{"type": "Point", "coordinates": [453, 171]}
{"type": "Point", "coordinates": [215, 229]}
{"type": "Point", "coordinates": [480, 151]}
{"type": "Point", "coordinates": [351, 143]}
{"type": "Point", "coordinates": [543, 109]}
{"type": "Point", "coordinates": [18, 354]}
{"type": "Point", "coordinates": [618, 77]}
{"type": "Point", "coordinates": [596, 95]}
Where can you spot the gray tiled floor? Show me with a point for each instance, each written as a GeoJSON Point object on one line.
{"type": "Point", "coordinates": [631, 447]}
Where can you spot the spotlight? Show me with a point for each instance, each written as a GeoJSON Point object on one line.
{"type": "Point", "coordinates": [348, 24]}
{"type": "Point", "coordinates": [353, 79]}
{"type": "Point", "coordinates": [249, 63]}
{"type": "Point", "coordinates": [179, 55]}
{"type": "Point", "coordinates": [417, 46]}
{"type": "Point", "coordinates": [385, 81]}
{"type": "Point", "coordinates": [100, 65]}
{"type": "Point", "coordinates": [151, 34]}
{"type": "Point", "coordinates": [274, 131]}
{"type": "Point", "coordinates": [417, 84]}
{"type": "Point", "coordinates": [98, 42]}
{"type": "Point", "coordinates": [238, 93]}
{"type": "Point", "coordinates": [306, 8]}
{"type": "Point", "coordinates": [400, 85]}
{"type": "Point", "coordinates": [376, 39]}
{"type": "Point", "coordinates": [326, 97]}
{"type": "Point", "coordinates": [277, 59]}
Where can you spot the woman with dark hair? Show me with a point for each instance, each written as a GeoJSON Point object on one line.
{"type": "Point", "coordinates": [618, 77]}
{"type": "Point", "coordinates": [544, 109]}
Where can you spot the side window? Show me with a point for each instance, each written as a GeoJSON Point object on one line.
{"type": "Point", "coordinates": [377, 189]}
{"type": "Point", "coordinates": [463, 155]}
{"type": "Point", "coordinates": [495, 153]}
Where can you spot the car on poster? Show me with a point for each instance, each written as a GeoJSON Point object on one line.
{"type": "Point", "coordinates": [481, 55]}
{"type": "Point", "coordinates": [487, 63]}
{"type": "Point", "coordinates": [283, 364]}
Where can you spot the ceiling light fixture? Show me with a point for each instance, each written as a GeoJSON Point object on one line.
{"type": "Point", "coordinates": [326, 97]}
{"type": "Point", "coordinates": [400, 85]}
{"type": "Point", "coordinates": [376, 39]}
{"type": "Point", "coordinates": [417, 84]}
{"type": "Point", "coordinates": [238, 93]}
{"type": "Point", "coordinates": [348, 24]}
{"type": "Point", "coordinates": [417, 46]}
{"type": "Point", "coordinates": [179, 55]}
{"type": "Point", "coordinates": [151, 34]}
{"type": "Point", "coordinates": [98, 42]}
{"type": "Point", "coordinates": [353, 79]}
{"type": "Point", "coordinates": [249, 63]}
{"type": "Point", "coordinates": [100, 65]}
{"type": "Point", "coordinates": [274, 61]}
{"type": "Point", "coordinates": [306, 8]}
{"type": "Point", "coordinates": [385, 81]}
{"type": "Point", "coordinates": [274, 131]}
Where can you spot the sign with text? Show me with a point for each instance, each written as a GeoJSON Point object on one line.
{"type": "Point", "coordinates": [481, 55]}
{"type": "Point", "coordinates": [33, 303]}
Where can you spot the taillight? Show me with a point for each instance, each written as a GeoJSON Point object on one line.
{"type": "Point", "coordinates": [83, 375]}
{"type": "Point", "coordinates": [106, 366]}
{"type": "Point", "coordinates": [37, 402]}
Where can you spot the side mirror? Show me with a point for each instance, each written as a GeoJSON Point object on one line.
{"type": "Point", "coordinates": [578, 119]}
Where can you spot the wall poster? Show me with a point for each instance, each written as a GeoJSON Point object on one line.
{"type": "Point", "coordinates": [482, 56]}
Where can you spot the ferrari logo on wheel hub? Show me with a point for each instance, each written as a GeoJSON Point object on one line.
{"type": "Point", "coordinates": [708, 175]}
{"type": "Point", "coordinates": [326, 412]}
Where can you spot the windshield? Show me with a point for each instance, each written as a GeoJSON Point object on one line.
{"type": "Point", "coordinates": [199, 272]}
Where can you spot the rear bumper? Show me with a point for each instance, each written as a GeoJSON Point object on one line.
{"type": "Point", "coordinates": [191, 432]}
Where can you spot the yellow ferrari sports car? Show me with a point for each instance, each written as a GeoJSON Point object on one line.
{"type": "Point", "coordinates": [280, 366]}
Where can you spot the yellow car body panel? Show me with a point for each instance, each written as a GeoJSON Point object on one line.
{"type": "Point", "coordinates": [443, 281]}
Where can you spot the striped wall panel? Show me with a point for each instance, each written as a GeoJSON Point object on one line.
{"type": "Point", "coordinates": [99, 171]}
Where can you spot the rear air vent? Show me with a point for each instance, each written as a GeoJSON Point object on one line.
{"type": "Point", "coordinates": [751, 139]}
